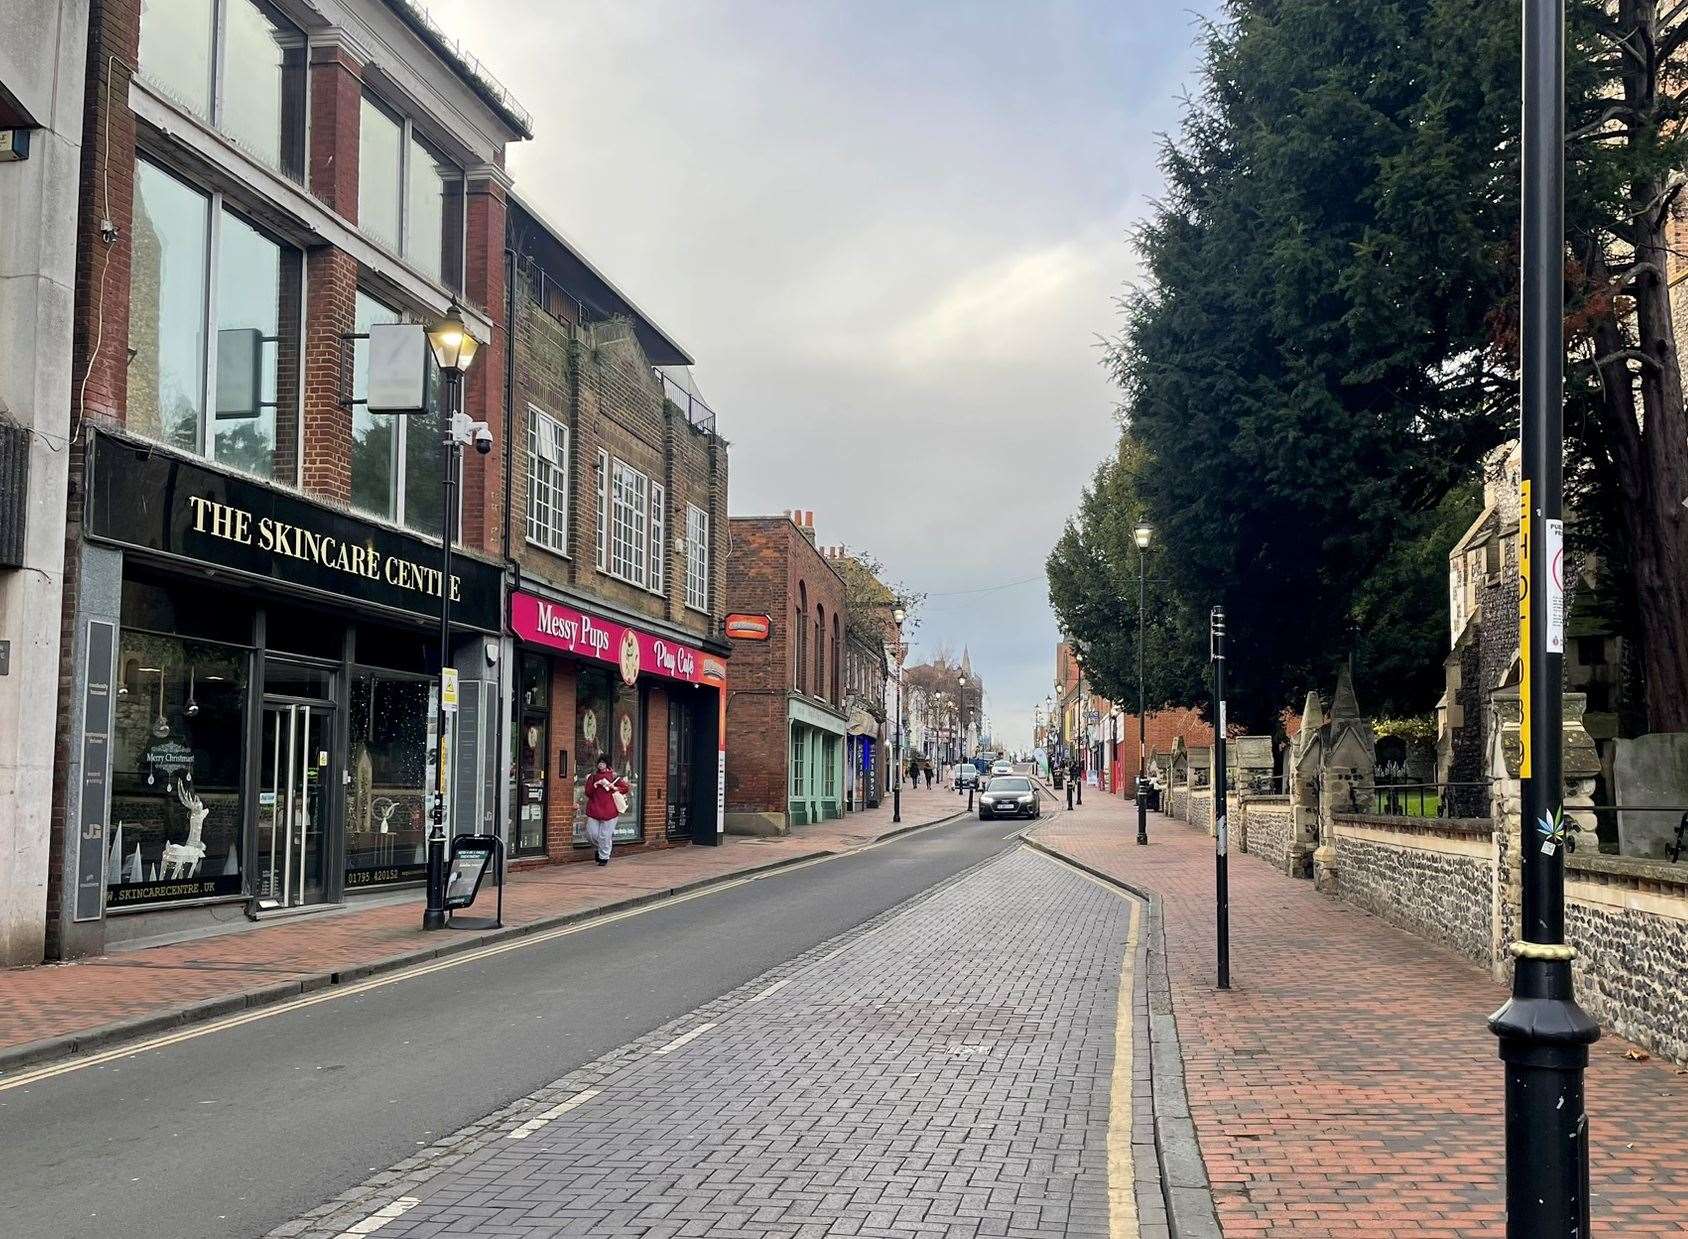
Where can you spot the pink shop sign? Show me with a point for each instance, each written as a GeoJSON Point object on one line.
{"type": "Point", "coordinates": [586, 636]}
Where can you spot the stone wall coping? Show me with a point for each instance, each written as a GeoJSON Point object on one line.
{"type": "Point", "coordinates": [1263, 798]}
{"type": "Point", "coordinates": [1421, 825]}
{"type": "Point", "coordinates": [1633, 868]}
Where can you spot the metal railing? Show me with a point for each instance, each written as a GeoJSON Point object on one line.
{"type": "Point", "coordinates": [1429, 799]}
{"type": "Point", "coordinates": [697, 413]}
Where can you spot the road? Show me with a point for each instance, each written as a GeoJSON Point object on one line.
{"type": "Point", "coordinates": [236, 1131]}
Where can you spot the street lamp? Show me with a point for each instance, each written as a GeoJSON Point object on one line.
{"type": "Point", "coordinates": [1143, 534]}
{"type": "Point", "coordinates": [454, 350]}
{"type": "Point", "coordinates": [899, 614]}
{"type": "Point", "coordinates": [963, 681]}
{"type": "Point", "coordinates": [1544, 1035]}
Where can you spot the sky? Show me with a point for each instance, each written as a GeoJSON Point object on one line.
{"type": "Point", "coordinates": [892, 235]}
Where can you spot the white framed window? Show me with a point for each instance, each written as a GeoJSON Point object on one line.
{"type": "Point", "coordinates": [697, 558]}
{"type": "Point", "coordinates": [603, 510]}
{"type": "Point", "coordinates": [630, 497]}
{"type": "Point", "coordinates": [659, 534]}
{"type": "Point", "coordinates": [410, 196]}
{"type": "Point", "coordinates": [548, 482]}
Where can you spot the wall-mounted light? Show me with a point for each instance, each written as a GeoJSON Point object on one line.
{"type": "Point", "coordinates": [14, 145]}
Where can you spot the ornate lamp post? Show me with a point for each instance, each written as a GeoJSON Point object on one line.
{"type": "Point", "coordinates": [1143, 534]}
{"type": "Point", "coordinates": [454, 350]}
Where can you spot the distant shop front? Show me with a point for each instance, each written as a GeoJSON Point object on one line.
{"type": "Point", "coordinates": [253, 723]}
{"type": "Point", "coordinates": [590, 682]}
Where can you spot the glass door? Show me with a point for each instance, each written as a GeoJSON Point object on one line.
{"type": "Point", "coordinates": [681, 764]}
{"type": "Point", "coordinates": [294, 780]}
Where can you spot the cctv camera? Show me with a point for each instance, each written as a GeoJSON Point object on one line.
{"type": "Point", "coordinates": [483, 440]}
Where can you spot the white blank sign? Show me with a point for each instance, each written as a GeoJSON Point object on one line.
{"type": "Point", "coordinates": [398, 367]}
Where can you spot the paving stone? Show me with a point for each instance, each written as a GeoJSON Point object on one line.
{"type": "Point", "coordinates": [946, 1074]}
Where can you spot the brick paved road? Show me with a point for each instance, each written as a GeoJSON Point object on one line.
{"type": "Point", "coordinates": [945, 1073]}
{"type": "Point", "coordinates": [54, 1001]}
{"type": "Point", "coordinates": [1347, 1084]}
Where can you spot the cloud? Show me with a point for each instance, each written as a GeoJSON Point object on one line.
{"type": "Point", "coordinates": [891, 234]}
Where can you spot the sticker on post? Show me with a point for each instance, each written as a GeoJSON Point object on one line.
{"type": "Point", "coordinates": [1555, 546]}
{"type": "Point", "coordinates": [1224, 835]}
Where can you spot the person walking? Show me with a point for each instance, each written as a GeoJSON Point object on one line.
{"type": "Point", "coordinates": [928, 774]}
{"type": "Point", "coordinates": [606, 801]}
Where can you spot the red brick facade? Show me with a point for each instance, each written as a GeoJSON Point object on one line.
{"type": "Point", "coordinates": [774, 569]}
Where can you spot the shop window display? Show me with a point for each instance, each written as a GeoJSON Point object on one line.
{"type": "Point", "coordinates": [534, 717]}
{"type": "Point", "coordinates": [608, 719]}
{"type": "Point", "coordinates": [389, 793]}
{"type": "Point", "coordinates": [177, 761]}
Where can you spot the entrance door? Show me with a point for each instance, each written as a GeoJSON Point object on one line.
{"type": "Point", "coordinates": [682, 768]}
{"type": "Point", "coordinates": [296, 762]}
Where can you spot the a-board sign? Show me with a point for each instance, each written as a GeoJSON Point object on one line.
{"type": "Point", "coordinates": [471, 856]}
{"type": "Point", "coordinates": [747, 627]}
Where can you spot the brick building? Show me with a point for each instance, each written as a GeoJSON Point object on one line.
{"type": "Point", "coordinates": [249, 659]}
{"type": "Point", "coordinates": [786, 721]}
{"type": "Point", "coordinates": [618, 504]}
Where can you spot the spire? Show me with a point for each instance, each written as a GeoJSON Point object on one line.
{"type": "Point", "coordinates": [966, 662]}
{"type": "Point", "coordinates": [1345, 705]}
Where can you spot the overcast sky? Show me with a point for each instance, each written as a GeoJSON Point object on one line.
{"type": "Point", "coordinates": [890, 233]}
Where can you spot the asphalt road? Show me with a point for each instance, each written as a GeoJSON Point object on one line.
{"type": "Point", "coordinates": [240, 1130]}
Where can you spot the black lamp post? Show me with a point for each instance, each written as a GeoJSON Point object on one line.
{"type": "Point", "coordinates": [1221, 841]}
{"type": "Point", "coordinates": [454, 349]}
{"type": "Point", "coordinates": [899, 614]}
{"type": "Point", "coordinates": [962, 680]}
{"type": "Point", "coordinates": [1544, 1035]}
{"type": "Point", "coordinates": [1143, 534]}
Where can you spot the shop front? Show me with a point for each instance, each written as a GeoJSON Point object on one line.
{"type": "Point", "coordinates": [256, 678]}
{"type": "Point", "coordinates": [816, 733]}
{"type": "Point", "coordinates": [861, 772]}
{"type": "Point", "coordinates": [589, 685]}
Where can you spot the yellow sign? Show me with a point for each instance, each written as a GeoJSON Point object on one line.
{"type": "Point", "coordinates": [1525, 601]}
{"type": "Point", "coordinates": [448, 687]}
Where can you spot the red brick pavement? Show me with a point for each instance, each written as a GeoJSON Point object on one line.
{"type": "Point", "coordinates": [79, 998]}
{"type": "Point", "coordinates": [1347, 1084]}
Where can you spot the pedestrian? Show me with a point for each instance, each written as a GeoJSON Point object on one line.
{"type": "Point", "coordinates": [928, 774]}
{"type": "Point", "coordinates": [606, 801]}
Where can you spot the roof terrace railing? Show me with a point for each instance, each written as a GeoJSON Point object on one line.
{"type": "Point", "coordinates": [698, 414]}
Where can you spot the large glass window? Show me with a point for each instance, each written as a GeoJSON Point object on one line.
{"type": "Point", "coordinates": [380, 169]}
{"type": "Point", "coordinates": [167, 308]}
{"type": "Point", "coordinates": [608, 720]}
{"type": "Point", "coordinates": [177, 39]}
{"type": "Point", "coordinates": [396, 458]}
{"type": "Point", "coordinates": [410, 196]}
{"type": "Point", "coordinates": [388, 795]}
{"type": "Point", "coordinates": [196, 262]}
{"type": "Point", "coordinates": [238, 64]}
{"type": "Point", "coordinates": [176, 770]}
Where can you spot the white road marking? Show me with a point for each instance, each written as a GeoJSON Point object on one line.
{"type": "Point", "coordinates": [375, 1221]}
{"type": "Point", "coordinates": [1122, 1176]}
{"type": "Point", "coordinates": [684, 1039]}
{"type": "Point", "coordinates": [555, 1112]}
{"type": "Point", "coordinates": [777, 985]}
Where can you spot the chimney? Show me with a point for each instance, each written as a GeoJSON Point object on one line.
{"type": "Point", "coordinates": [806, 522]}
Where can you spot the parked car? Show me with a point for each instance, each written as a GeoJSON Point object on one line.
{"type": "Point", "coordinates": [966, 775]}
{"type": "Point", "coordinates": [1009, 795]}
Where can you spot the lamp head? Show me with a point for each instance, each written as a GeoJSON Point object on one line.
{"type": "Point", "coordinates": [1143, 534]}
{"type": "Point", "coordinates": [898, 613]}
{"type": "Point", "coordinates": [454, 348]}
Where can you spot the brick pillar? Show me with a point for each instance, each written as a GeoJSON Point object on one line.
{"type": "Point", "coordinates": [483, 391]}
{"type": "Point", "coordinates": [108, 194]}
{"type": "Point", "coordinates": [331, 286]}
{"type": "Point", "coordinates": [336, 109]}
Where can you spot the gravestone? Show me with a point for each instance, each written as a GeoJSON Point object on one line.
{"type": "Point", "coordinates": [1650, 770]}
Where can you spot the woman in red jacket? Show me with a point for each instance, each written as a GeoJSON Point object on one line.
{"type": "Point", "coordinates": [601, 809]}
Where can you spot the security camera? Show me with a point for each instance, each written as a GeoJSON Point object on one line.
{"type": "Point", "coordinates": [483, 440]}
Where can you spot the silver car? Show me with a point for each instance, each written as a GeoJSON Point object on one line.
{"type": "Point", "coordinates": [1009, 795]}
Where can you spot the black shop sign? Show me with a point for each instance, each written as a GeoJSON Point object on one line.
{"type": "Point", "coordinates": [145, 498]}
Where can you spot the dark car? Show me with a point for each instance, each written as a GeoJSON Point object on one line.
{"type": "Point", "coordinates": [1009, 795]}
{"type": "Point", "coordinates": [966, 775]}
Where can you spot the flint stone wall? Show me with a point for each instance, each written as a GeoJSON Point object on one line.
{"type": "Point", "coordinates": [1432, 876]}
{"type": "Point", "coordinates": [1179, 800]}
{"type": "Point", "coordinates": [1201, 809]}
{"type": "Point", "coordinates": [1269, 830]}
{"type": "Point", "coordinates": [1628, 920]}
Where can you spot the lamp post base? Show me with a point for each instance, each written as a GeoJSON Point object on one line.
{"type": "Point", "coordinates": [433, 916]}
{"type": "Point", "coordinates": [1544, 1039]}
{"type": "Point", "coordinates": [897, 803]}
